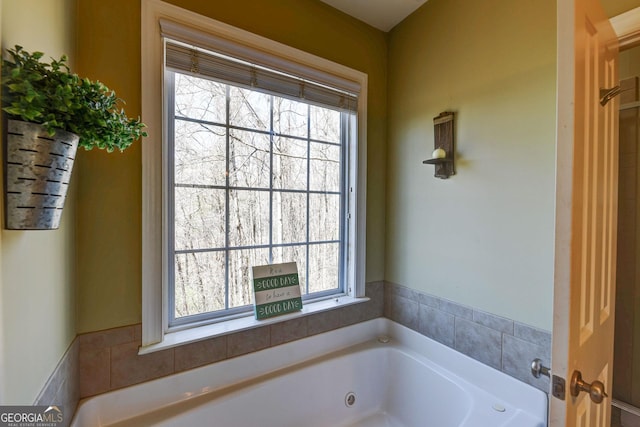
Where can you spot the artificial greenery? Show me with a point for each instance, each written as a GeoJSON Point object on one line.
{"type": "Point", "coordinates": [49, 94]}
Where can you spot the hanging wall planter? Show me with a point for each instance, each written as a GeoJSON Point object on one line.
{"type": "Point", "coordinates": [38, 169]}
{"type": "Point", "coordinates": [51, 113]}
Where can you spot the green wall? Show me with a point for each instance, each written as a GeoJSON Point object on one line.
{"type": "Point", "coordinates": [484, 237]}
{"type": "Point", "coordinates": [37, 300]}
{"type": "Point", "coordinates": [109, 185]}
{"type": "Point", "coordinates": [616, 7]}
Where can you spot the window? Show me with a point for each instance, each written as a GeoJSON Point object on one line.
{"type": "Point", "coordinates": [257, 179]}
{"type": "Point", "coordinates": [260, 161]}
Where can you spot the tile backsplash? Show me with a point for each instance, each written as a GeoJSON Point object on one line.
{"type": "Point", "coordinates": [101, 361]}
{"type": "Point", "coordinates": [109, 359]}
{"type": "Point", "coordinates": [501, 343]}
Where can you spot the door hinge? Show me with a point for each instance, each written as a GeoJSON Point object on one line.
{"type": "Point", "coordinates": [558, 387]}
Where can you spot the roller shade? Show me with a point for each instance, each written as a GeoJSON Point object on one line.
{"type": "Point", "coordinates": [186, 59]}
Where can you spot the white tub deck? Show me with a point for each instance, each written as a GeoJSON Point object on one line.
{"type": "Point", "coordinates": [406, 382]}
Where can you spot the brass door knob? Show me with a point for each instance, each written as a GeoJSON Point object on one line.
{"type": "Point", "coordinates": [595, 389]}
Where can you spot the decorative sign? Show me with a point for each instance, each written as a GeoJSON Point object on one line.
{"type": "Point", "coordinates": [276, 289]}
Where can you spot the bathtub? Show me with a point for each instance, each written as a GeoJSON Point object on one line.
{"type": "Point", "coordinates": [377, 373]}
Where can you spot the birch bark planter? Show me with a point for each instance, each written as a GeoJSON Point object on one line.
{"type": "Point", "coordinates": [37, 172]}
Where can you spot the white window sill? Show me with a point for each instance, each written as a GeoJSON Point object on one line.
{"type": "Point", "coordinates": [199, 333]}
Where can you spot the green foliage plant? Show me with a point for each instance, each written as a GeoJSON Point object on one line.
{"type": "Point", "coordinates": [49, 94]}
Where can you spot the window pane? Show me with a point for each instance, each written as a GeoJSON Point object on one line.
{"type": "Point", "coordinates": [240, 284]}
{"type": "Point", "coordinates": [290, 117]}
{"type": "Point", "coordinates": [248, 218]}
{"type": "Point", "coordinates": [199, 218]}
{"type": "Point", "coordinates": [289, 164]}
{"type": "Point", "coordinates": [323, 267]}
{"type": "Point", "coordinates": [325, 167]}
{"type": "Point", "coordinates": [325, 124]}
{"type": "Point", "coordinates": [200, 99]}
{"type": "Point", "coordinates": [296, 254]}
{"type": "Point", "coordinates": [249, 109]}
{"type": "Point", "coordinates": [267, 157]}
{"type": "Point", "coordinates": [249, 159]}
{"type": "Point", "coordinates": [200, 154]}
{"type": "Point", "coordinates": [199, 283]}
{"type": "Point", "coordinates": [289, 217]}
{"type": "Point", "coordinates": [324, 217]}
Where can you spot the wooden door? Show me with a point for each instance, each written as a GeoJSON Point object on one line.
{"type": "Point", "coordinates": [586, 213]}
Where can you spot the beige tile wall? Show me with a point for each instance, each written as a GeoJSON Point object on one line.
{"type": "Point", "coordinates": [102, 361]}
{"type": "Point", "coordinates": [109, 360]}
{"type": "Point", "coordinates": [501, 343]}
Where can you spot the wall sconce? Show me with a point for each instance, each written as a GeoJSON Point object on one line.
{"type": "Point", "coordinates": [443, 156]}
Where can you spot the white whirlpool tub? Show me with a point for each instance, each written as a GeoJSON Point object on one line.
{"type": "Point", "coordinates": [347, 377]}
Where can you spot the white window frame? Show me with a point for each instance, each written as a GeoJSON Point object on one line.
{"type": "Point", "coordinates": [155, 335]}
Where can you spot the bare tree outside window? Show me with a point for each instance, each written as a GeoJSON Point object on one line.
{"type": "Point", "coordinates": [257, 179]}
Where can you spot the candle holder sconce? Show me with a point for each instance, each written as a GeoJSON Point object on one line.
{"type": "Point", "coordinates": [443, 156]}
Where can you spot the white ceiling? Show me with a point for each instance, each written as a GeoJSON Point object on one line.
{"type": "Point", "coordinates": [382, 14]}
